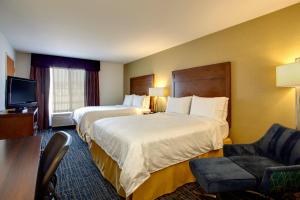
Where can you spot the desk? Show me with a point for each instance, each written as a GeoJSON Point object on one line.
{"type": "Point", "coordinates": [19, 163]}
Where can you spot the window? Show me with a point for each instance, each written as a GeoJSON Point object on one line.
{"type": "Point", "coordinates": [67, 89]}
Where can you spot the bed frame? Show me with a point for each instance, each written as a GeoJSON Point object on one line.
{"type": "Point", "coordinates": [138, 85]}
{"type": "Point", "coordinates": [206, 81]}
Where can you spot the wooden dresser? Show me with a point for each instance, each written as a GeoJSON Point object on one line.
{"type": "Point", "coordinates": [15, 125]}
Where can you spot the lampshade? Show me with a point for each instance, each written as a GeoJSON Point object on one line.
{"type": "Point", "coordinates": [288, 75]}
{"type": "Point", "coordinates": [158, 91]}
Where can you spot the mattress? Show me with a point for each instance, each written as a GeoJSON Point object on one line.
{"type": "Point", "coordinates": [144, 144]}
{"type": "Point", "coordinates": [84, 117]}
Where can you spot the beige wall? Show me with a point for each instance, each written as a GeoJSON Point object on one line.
{"type": "Point", "coordinates": [111, 83]}
{"type": "Point", "coordinates": [5, 49]}
{"type": "Point", "coordinates": [254, 48]}
{"type": "Point", "coordinates": [22, 64]}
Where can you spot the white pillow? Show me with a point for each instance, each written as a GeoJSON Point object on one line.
{"type": "Point", "coordinates": [138, 101]}
{"type": "Point", "coordinates": [128, 100]}
{"type": "Point", "coordinates": [179, 105]}
{"type": "Point", "coordinates": [146, 103]}
{"type": "Point", "coordinates": [215, 107]}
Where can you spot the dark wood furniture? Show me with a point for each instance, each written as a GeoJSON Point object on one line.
{"type": "Point", "coordinates": [205, 81]}
{"type": "Point", "coordinates": [10, 66]}
{"type": "Point", "coordinates": [15, 125]}
{"type": "Point", "coordinates": [19, 164]}
{"type": "Point", "coordinates": [140, 86]}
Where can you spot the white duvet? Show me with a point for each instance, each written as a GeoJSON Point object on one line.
{"type": "Point", "coordinates": [86, 116]}
{"type": "Point", "coordinates": [147, 143]}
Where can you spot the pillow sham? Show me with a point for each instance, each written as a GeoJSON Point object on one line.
{"type": "Point", "coordinates": [215, 107]}
{"type": "Point", "coordinates": [138, 101]}
{"type": "Point", "coordinates": [179, 105]}
{"type": "Point", "coordinates": [128, 100]}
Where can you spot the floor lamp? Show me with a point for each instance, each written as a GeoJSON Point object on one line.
{"type": "Point", "coordinates": [289, 76]}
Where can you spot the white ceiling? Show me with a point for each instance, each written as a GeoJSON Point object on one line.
{"type": "Point", "coordinates": [120, 30]}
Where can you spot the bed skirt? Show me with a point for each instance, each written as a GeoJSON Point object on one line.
{"type": "Point", "coordinates": [83, 136]}
{"type": "Point", "coordinates": [170, 178]}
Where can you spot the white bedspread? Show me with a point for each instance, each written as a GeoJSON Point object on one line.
{"type": "Point", "coordinates": [147, 143]}
{"type": "Point", "coordinates": [86, 116]}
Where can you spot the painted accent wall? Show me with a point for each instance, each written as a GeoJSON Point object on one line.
{"type": "Point", "coordinates": [5, 49]}
{"type": "Point", "coordinates": [111, 78]}
{"type": "Point", "coordinates": [111, 83]}
{"type": "Point", "coordinates": [254, 49]}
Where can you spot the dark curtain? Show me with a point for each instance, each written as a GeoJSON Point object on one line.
{"type": "Point", "coordinates": [92, 88]}
{"type": "Point", "coordinates": [42, 77]}
{"type": "Point", "coordinates": [40, 71]}
{"type": "Point", "coordinates": [64, 62]}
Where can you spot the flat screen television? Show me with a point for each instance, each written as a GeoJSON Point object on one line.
{"type": "Point", "coordinates": [20, 93]}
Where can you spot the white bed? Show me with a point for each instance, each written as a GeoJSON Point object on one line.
{"type": "Point", "coordinates": [133, 142]}
{"type": "Point", "coordinates": [86, 116]}
{"type": "Point", "coordinates": [137, 103]}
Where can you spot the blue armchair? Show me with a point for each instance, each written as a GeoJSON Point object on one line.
{"type": "Point", "coordinates": [270, 166]}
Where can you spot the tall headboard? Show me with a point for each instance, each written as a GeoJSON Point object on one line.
{"type": "Point", "coordinates": [205, 81]}
{"type": "Point", "coordinates": [140, 86]}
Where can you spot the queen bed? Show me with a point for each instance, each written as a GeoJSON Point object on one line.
{"type": "Point", "coordinates": [147, 156]}
{"type": "Point", "coordinates": [84, 117]}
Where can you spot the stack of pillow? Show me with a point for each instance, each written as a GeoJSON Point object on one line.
{"type": "Point", "coordinates": [138, 101]}
{"type": "Point", "coordinates": [215, 107]}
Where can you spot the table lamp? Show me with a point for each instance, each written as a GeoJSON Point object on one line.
{"type": "Point", "coordinates": [158, 92]}
{"type": "Point", "coordinates": [289, 76]}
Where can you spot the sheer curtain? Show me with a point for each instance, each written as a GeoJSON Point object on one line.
{"type": "Point", "coordinates": [67, 91]}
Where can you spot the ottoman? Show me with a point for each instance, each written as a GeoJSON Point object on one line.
{"type": "Point", "coordinates": [221, 175]}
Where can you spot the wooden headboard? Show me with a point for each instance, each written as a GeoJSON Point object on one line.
{"type": "Point", "coordinates": [205, 81]}
{"type": "Point", "coordinates": [140, 85]}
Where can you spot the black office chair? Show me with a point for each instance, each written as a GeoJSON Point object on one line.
{"type": "Point", "coordinates": [54, 152]}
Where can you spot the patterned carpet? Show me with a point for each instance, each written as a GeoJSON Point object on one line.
{"type": "Point", "coordinates": [79, 178]}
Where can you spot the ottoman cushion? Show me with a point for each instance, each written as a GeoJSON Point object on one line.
{"type": "Point", "coordinates": [221, 175]}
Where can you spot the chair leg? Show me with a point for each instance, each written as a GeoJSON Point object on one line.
{"type": "Point", "coordinates": [55, 196]}
{"type": "Point", "coordinates": [259, 194]}
{"type": "Point", "coordinates": [202, 193]}
{"type": "Point", "coordinates": [49, 193]}
{"type": "Point", "coordinates": [218, 196]}
{"type": "Point", "coordinates": [54, 180]}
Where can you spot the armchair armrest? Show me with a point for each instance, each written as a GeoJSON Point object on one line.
{"type": "Point", "coordinates": [281, 179]}
{"type": "Point", "coordinates": [239, 149]}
